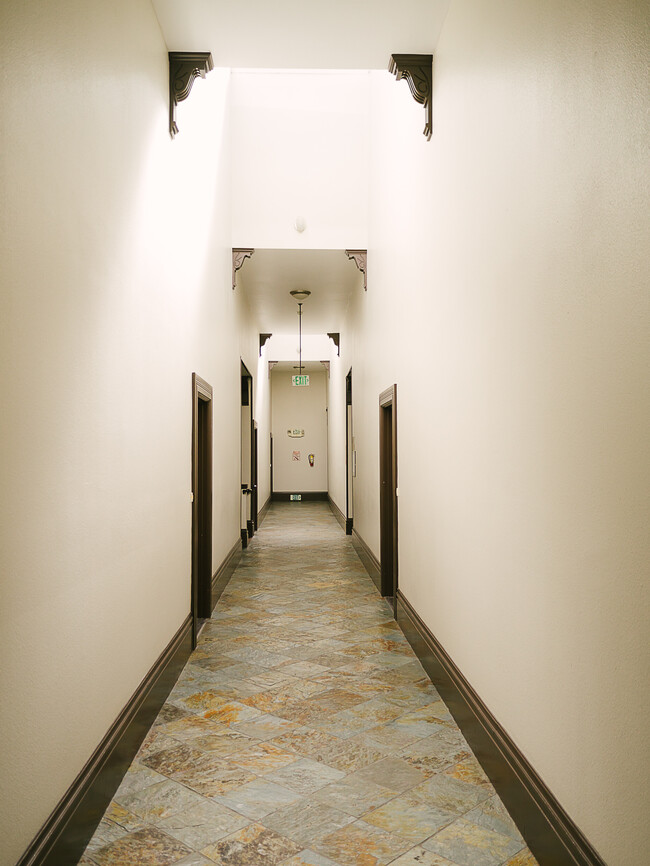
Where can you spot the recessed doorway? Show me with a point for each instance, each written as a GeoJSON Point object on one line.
{"type": "Point", "coordinates": [349, 457]}
{"type": "Point", "coordinates": [201, 598]}
{"type": "Point", "coordinates": [248, 459]}
{"type": "Point", "coordinates": [388, 493]}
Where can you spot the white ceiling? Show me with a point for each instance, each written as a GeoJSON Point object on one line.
{"type": "Point", "coordinates": [269, 275]}
{"type": "Point", "coordinates": [312, 34]}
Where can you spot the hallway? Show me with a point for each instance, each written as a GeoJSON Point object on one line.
{"type": "Point", "coordinates": [303, 731]}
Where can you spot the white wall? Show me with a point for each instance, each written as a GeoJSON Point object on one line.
{"type": "Point", "coordinates": [509, 301]}
{"type": "Point", "coordinates": [115, 276]}
{"type": "Point", "coordinates": [299, 149]}
{"type": "Point", "coordinates": [284, 347]}
{"type": "Point", "coordinates": [304, 408]}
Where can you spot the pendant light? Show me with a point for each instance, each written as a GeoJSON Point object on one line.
{"type": "Point", "coordinates": [299, 295]}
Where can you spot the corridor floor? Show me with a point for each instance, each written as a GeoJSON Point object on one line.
{"type": "Point", "coordinates": [304, 732]}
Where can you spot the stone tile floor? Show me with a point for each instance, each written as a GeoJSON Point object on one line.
{"type": "Point", "coordinates": [304, 732]}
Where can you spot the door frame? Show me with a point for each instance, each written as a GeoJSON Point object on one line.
{"type": "Point", "coordinates": [349, 485]}
{"type": "Point", "coordinates": [250, 519]}
{"type": "Point", "coordinates": [254, 501]}
{"type": "Point", "coordinates": [388, 493]}
{"type": "Point", "coordinates": [201, 587]}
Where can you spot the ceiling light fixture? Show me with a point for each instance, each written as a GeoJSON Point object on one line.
{"type": "Point", "coordinates": [300, 295]}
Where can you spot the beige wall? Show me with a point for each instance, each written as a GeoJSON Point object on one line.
{"type": "Point", "coordinates": [299, 144]}
{"type": "Point", "coordinates": [508, 298]}
{"type": "Point", "coordinates": [115, 286]}
{"type": "Point", "coordinates": [304, 408]}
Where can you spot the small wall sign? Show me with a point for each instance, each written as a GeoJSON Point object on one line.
{"type": "Point", "coordinates": [296, 433]}
{"type": "Point", "coordinates": [300, 381]}
{"type": "Point", "coordinates": [296, 455]}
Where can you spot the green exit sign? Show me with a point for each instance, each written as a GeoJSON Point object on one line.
{"type": "Point", "coordinates": [300, 381]}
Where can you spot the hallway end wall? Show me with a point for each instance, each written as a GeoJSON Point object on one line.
{"type": "Point", "coordinates": [299, 408]}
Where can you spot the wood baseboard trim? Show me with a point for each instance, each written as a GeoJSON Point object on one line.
{"type": "Point", "coordinates": [65, 834]}
{"type": "Point", "coordinates": [264, 510]}
{"type": "Point", "coordinates": [368, 558]}
{"type": "Point", "coordinates": [309, 496]}
{"type": "Point", "coordinates": [225, 571]}
{"type": "Point", "coordinates": [549, 832]}
{"type": "Point", "coordinates": [336, 511]}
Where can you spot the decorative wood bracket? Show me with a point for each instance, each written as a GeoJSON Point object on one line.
{"type": "Point", "coordinates": [417, 69]}
{"type": "Point", "coordinates": [264, 338]}
{"type": "Point", "coordinates": [184, 68]}
{"type": "Point", "coordinates": [336, 339]}
{"type": "Point", "coordinates": [238, 259]}
{"type": "Point", "coordinates": [360, 258]}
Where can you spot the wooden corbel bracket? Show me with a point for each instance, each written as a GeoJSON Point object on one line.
{"type": "Point", "coordinates": [336, 339]}
{"type": "Point", "coordinates": [360, 258]}
{"type": "Point", "coordinates": [264, 338]}
{"type": "Point", "coordinates": [184, 68]}
{"type": "Point", "coordinates": [417, 70]}
{"type": "Point", "coordinates": [239, 256]}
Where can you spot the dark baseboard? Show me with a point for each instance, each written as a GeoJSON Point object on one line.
{"type": "Point", "coordinates": [368, 558]}
{"type": "Point", "coordinates": [244, 539]}
{"type": "Point", "coordinates": [65, 834]}
{"type": "Point", "coordinates": [310, 496]}
{"type": "Point", "coordinates": [549, 832]}
{"type": "Point", "coordinates": [336, 511]}
{"type": "Point", "coordinates": [225, 571]}
{"type": "Point", "coordinates": [264, 510]}
{"type": "Point", "coordinates": [346, 522]}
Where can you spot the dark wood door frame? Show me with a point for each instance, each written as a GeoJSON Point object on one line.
{"type": "Point", "coordinates": [349, 509]}
{"type": "Point", "coordinates": [271, 462]}
{"type": "Point", "coordinates": [254, 500]}
{"type": "Point", "coordinates": [249, 487]}
{"type": "Point", "coordinates": [201, 600]}
{"type": "Point", "coordinates": [388, 492]}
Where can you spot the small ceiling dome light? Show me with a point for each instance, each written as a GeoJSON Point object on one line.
{"type": "Point", "coordinates": [300, 224]}
{"type": "Point", "coordinates": [300, 294]}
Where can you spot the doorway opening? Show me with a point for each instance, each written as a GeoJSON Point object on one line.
{"type": "Point", "coordinates": [388, 493]}
{"type": "Point", "coordinates": [350, 457]}
{"type": "Point", "coordinates": [248, 459]}
{"type": "Point", "coordinates": [201, 597]}
{"type": "Point", "coordinates": [254, 503]}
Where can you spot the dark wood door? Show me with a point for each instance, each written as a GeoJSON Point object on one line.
{"type": "Point", "coordinates": [349, 498]}
{"type": "Point", "coordinates": [254, 500]}
{"type": "Point", "coordinates": [201, 598]}
{"type": "Point", "coordinates": [247, 461]}
{"type": "Point", "coordinates": [388, 492]}
{"type": "Point", "coordinates": [271, 462]}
